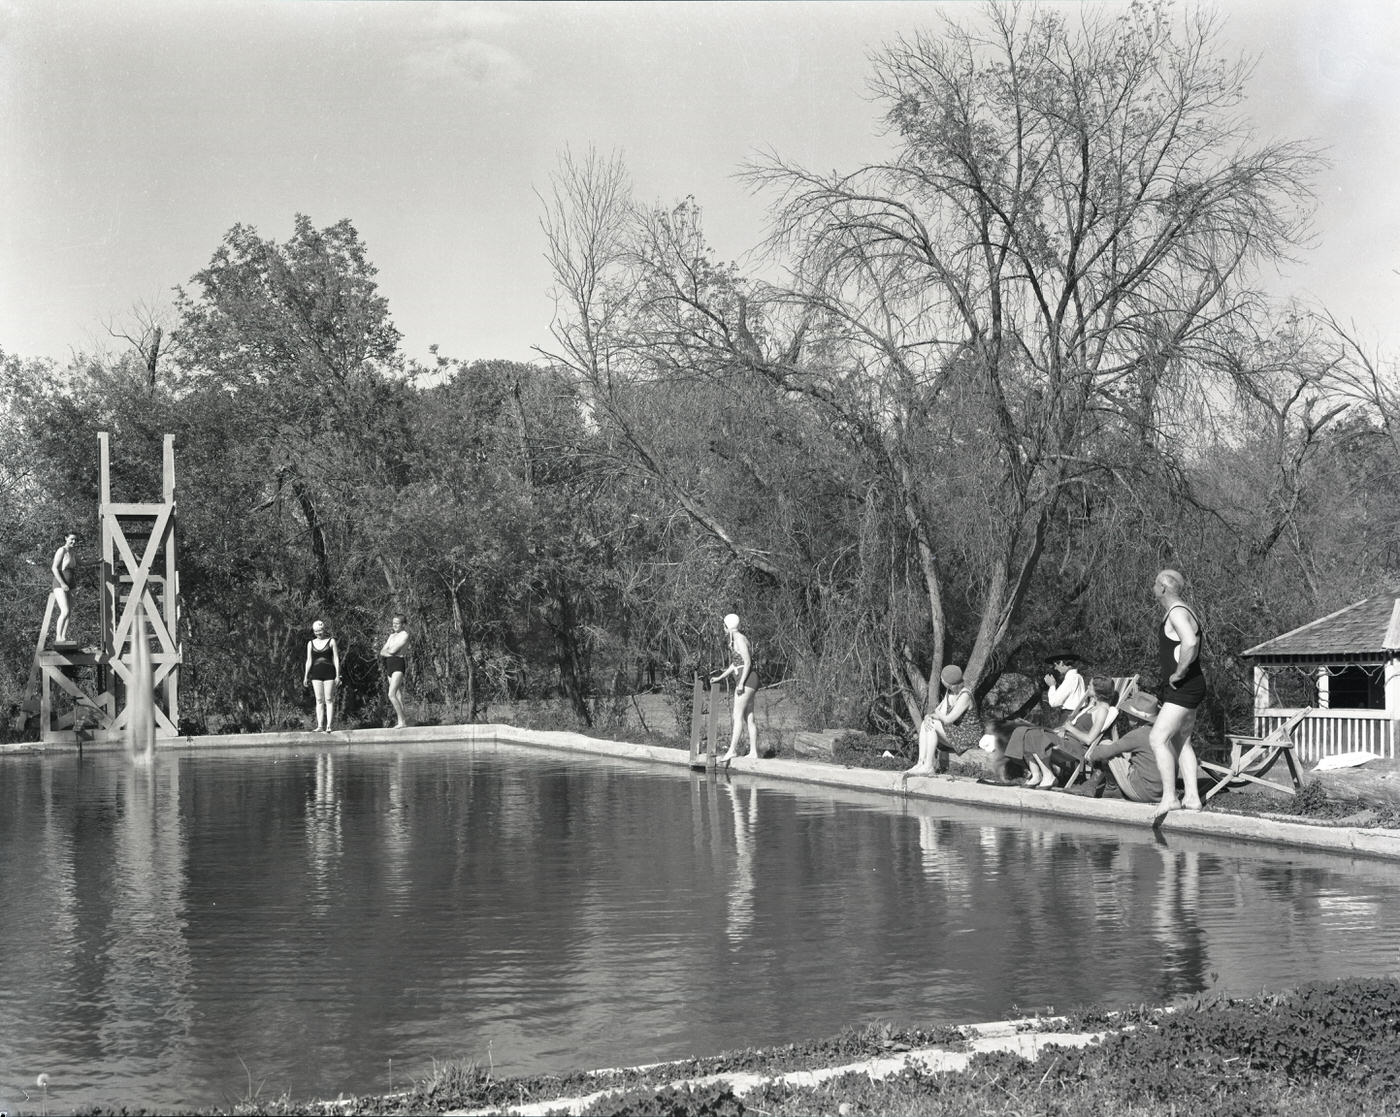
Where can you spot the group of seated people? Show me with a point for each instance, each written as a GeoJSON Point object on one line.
{"type": "Point", "coordinates": [1030, 755]}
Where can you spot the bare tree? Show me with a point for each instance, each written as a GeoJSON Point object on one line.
{"type": "Point", "coordinates": [149, 330]}
{"type": "Point", "coordinates": [1067, 219]}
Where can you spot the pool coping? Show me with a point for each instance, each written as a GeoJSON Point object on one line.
{"type": "Point", "coordinates": [1353, 841]}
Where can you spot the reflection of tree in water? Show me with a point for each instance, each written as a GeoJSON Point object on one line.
{"type": "Point", "coordinates": [739, 921]}
{"type": "Point", "coordinates": [398, 841]}
{"type": "Point", "coordinates": [1104, 861]}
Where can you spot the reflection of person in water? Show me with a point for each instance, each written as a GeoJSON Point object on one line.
{"type": "Point", "coordinates": [740, 920]}
{"type": "Point", "coordinates": [941, 858]}
{"type": "Point", "coordinates": [1176, 921]}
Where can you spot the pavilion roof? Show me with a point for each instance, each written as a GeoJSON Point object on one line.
{"type": "Point", "coordinates": [1367, 627]}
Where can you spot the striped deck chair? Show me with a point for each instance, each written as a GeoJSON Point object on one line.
{"type": "Point", "coordinates": [1125, 687]}
{"type": "Point", "coordinates": [1252, 757]}
{"type": "Point", "coordinates": [1121, 769]}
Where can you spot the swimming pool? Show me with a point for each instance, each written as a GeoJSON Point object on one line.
{"type": "Point", "coordinates": [246, 921]}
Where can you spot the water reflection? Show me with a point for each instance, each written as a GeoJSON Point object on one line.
{"type": "Point", "coordinates": [314, 916]}
{"type": "Point", "coordinates": [1176, 922]}
{"type": "Point", "coordinates": [740, 912]}
{"type": "Point", "coordinates": [323, 836]}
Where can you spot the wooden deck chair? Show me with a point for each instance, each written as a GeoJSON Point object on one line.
{"type": "Point", "coordinates": [1252, 757]}
{"type": "Point", "coordinates": [1121, 769]}
{"type": "Point", "coordinates": [1126, 687]}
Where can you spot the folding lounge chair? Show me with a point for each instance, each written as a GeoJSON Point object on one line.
{"type": "Point", "coordinates": [1252, 757]}
{"type": "Point", "coordinates": [1121, 769]}
{"type": "Point", "coordinates": [1125, 687]}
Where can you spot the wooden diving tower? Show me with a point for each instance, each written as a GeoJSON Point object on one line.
{"type": "Point", "coordinates": [67, 712]}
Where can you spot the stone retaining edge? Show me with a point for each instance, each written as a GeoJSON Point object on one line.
{"type": "Point", "coordinates": [1370, 843]}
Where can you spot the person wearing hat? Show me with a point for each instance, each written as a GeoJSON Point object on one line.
{"type": "Point", "coordinates": [1067, 694]}
{"type": "Point", "coordinates": [954, 726]}
{"type": "Point", "coordinates": [1040, 749]}
{"type": "Point", "coordinates": [1136, 745]}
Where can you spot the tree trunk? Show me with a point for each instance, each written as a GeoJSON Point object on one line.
{"type": "Point", "coordinates": [320, 555]}
{"type": "Point", "coordinates": [568, 655]}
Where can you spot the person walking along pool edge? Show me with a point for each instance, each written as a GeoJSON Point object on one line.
{"type": "Point", "coordinates": [745, 674]}
{"type": "Point", "coordinates": [392, 655]}
{"type": "Point", "coordinates": [1183, 691]}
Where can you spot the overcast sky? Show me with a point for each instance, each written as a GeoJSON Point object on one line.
{"type": "Point", "coordinates": [134, 134]}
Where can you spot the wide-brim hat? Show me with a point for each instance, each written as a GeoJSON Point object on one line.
{"type": "Point", "coordinates": [1064, 655]}
{"type": "Point", "coordinates": [1144, 707]}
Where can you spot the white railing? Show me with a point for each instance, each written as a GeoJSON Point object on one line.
{"type": "Point", "coordinates": [1328, 732]}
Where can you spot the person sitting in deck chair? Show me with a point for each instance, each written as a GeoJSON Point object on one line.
{"type": "Point", "coordinates": [1130, 759]}
{"type": "Point", "coordinates": [1041, 749]}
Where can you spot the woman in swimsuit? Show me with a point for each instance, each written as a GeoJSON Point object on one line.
{"type": "Point", "coordinates": [954, 726]}
{"type": "Point", "coordinates": [1183, 691]}
{"type": "Point", "coordinates": [65, 577]}
{"type": "Point", "coordinates": [746, 687]}
{"type": "Point", "coordinates": [323, 673]}
{"type": "Point", "coordinates": [392, 653]}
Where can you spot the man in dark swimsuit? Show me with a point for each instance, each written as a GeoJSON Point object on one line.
{"type": "Point", "coordinates": [1183, 691]}
{"type": "Point", "coordinates": [392, 654]}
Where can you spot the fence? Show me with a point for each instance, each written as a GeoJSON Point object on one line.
{"type": "Point", "coordinates": [1328, 732]}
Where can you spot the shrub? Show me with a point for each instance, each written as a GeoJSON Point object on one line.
{"type": "Point", "coordinates": [865, 750]}
{"type": "Point", "coordinates": [714, 1100]}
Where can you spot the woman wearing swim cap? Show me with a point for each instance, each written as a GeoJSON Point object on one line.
{"type": "Point", "coordinates": [745, 673]}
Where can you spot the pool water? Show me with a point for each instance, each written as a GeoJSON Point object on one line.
{"type": "Point", "coordinates": [237, 923]}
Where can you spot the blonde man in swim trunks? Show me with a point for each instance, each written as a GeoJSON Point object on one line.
{"type": "Point", "coordinates": [392, 655]}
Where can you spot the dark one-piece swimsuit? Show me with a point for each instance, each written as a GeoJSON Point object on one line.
{"type": "Point", "coordinates": [322, 662]}
{"type": "Point", "coordinates": [1190, 691]}
{"type": "Point", "coordinates": [753, 666]}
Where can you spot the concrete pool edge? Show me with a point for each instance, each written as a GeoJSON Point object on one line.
{"type": "Point", "coordinates": [1354, 841]}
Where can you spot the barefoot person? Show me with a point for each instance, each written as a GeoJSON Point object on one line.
{"type": "Point", "coordinates": [323, 674]}
{"type": "Point", "coordinates": [65, 578]}
{"type": "Point", "coordinates": [1183, 691]}
{"type": "Point", "coordinates": [745, 674]}
{"type": "Point", "coordinates": [392, 655]}
{"type": "Point", "coordinates": [953, 727]}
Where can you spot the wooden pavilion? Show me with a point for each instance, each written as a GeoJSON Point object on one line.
{"type": "Point", "coordinates": [1345, 665]}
